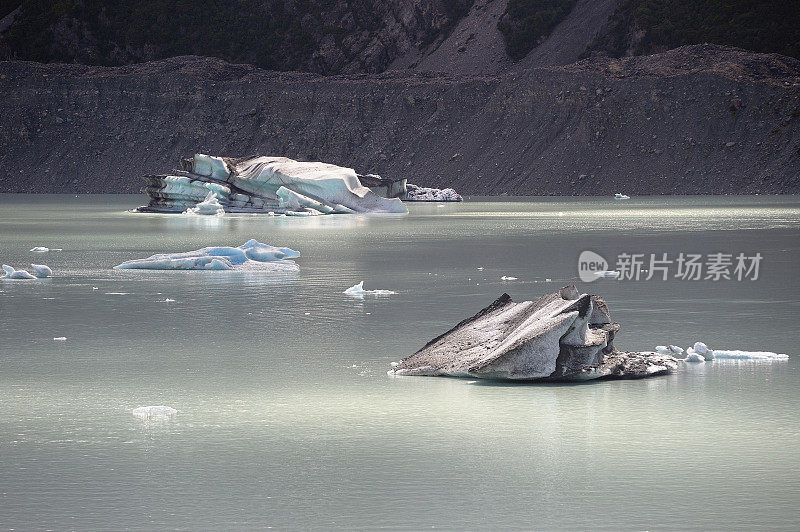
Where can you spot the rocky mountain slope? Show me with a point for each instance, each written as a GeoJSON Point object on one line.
{"type": "Point", "coordinates": [698, 119]}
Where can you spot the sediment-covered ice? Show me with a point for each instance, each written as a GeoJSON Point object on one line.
{"type": "Point", "coordinates": [151, 412]}
{"type": "Point", "coordinates": [252, 255]}
{"type": "Point", "coordinates": [358, 290]}
{"type": "Point", "coordinates": [266, 184]}
{"type": "Point", "coordinates": [41, 271]}
{"type": "Point", "coordinates": [417, 193]}
{"type": "Point", "coordinates": [11, 273]}
{"type": "Point", "coordinates": [208, 207]}
{"type": "Point", "coordinates": [560, 336]}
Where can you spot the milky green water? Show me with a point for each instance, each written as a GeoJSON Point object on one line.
{"type": "Point", "coordinates": [287, 419]}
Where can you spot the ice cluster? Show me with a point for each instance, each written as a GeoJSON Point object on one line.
{"type": "Point", "coordinates": [700, 352]}
{"type": "Point", "coordinates": [252, 255]}
{"type": "Point", "coordinates": [208, 207]}
{"type": "Point", "coordinates": [40, 271]}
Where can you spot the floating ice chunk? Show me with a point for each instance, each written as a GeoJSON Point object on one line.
{"type": "Point", "coordinates": [60, 339]}
{"type": "Point", "coordinates": [40, 249]}
{"type": "Point", "coordinates": [416, 193]}
{"type": "Point", "coordinates": [11, 273]}
{"type": "Point", "coordinates": [748, 355]}
{"type": "Point", "coordinates": [151, 412]}
{"type": "Point", "coordinates": [669, 350]}
{"type": "Point", "coordinates": [694, 357]}
{"type": "Point", "coordinates": [358, 291]}
{"type": "Point", "coordinates": [41, 271]}
{"type": "Point", "coordinates": [252, 256]}
{"type": "Point", "coordinates": [701, 349]}
{"type": "Point", "coordinates": [607, 273]}
{"type": "Point", "coordinates": [508, 278]}
{"type": "Point", "coordinates": [208, 207]}
{"type": "Point", "coordinates": [621, 196]}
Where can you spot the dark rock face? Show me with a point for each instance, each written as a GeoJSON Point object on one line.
{"type": "Point", "coordinates": [695, 120]}
{"type": "Point", "coordinates": [560, 336]}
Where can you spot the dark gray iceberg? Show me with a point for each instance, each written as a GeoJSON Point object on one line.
{"type": "Point", "coordinates": [563, 336]}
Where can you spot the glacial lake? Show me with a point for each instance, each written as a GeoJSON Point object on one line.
{"type": "Point", "coordinates": [287, 418]}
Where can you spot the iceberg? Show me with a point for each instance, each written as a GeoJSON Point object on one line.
{"type": "Point", "coordinates": [265, 184]}
{"type": "Point", "coordinates": [416, 193]}
{"type": "Point", "coordinates": [722, 354]}
{"type": "Point", "coordinates": [40, 249]}
{"type": "Point", "coordinates": [694, 357]}
{"type": "Point", "coordinates": [508, 278]}
{"type": "Point", "coordinates": [11, 273]}
{"type": "Point", "coordinates": [210, 206]}
{"type": "Point", "coordinates": [359, 291]}
{"type": "Point", "coordinates": [151, 412]}
{"type": "Point", "coordinates": [700, 349]}
{"type": "Point", "coordinates": [562, 336]}
{"type": "Point", "coordinates": [252, 256]}
{"type": "Point", "coordinates": [60, 339]}
{"type": "Point", "coordinates": [621, 196]}
{"type": "Point", "coordinates": [41, 271]}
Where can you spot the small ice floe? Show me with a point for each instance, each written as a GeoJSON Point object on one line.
{"type": "Point", "coordinates": [359, 291]}
{"type": "Point", "coordinates": [607, 273]}
{"type": "Point", "coordinates": [480, 268]}
{"type": "Point", "coordinates": [208, 207]}
{"type": "Point", "coordinates": [673, 350]}
{"type": "Point", "coordinates": [154, 412]}
{"type": "Point", "coordinates": [40, 249]}
{"type": "Point", "coordinates": [11, 273]}
{"type": "Point", "coordinates": [694, 357]}
{"type": "Point", "coordinates": [701, 349]}
{"type": "Point", "coordinates": [41, 271]}
{"type": "Point", "coordinates": [508, 278]}
{"type": "Point", "coordinates": [168, 300]}
{"type": "Point", "coordinates": [60, 339]}
{"type": "Point", "coordinates": [621, 196]}
{"type": "Point", "coordinates": [250, 256]}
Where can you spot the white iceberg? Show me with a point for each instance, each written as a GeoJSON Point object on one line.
{"type": "Point", "coordinates": [621, 196]}
{"type": "Point", "coordinates": [208, 207]}
{"type": "Point", "coordinates": [41, 271]}
{"type": "Point", "coordinates": [359, 291]}
{"type": "Point", "coordinates": [673, 350]}
{"type": "Point", "coordinates": [701, 349]}
{"type": "Point", "coordinates": [252, 255]}
{"type": "Point", "coordinates": [508, 278]}
{"type": "Point", "coordinates": [60, 339]}
{"type": "Point", "coordinates": [40, 249]}
{"type": "Point", "coordinates": [151, 412]}
{"type": "Point", "coordinates": [694, 357]}
{"type": "Point", "coordinates": [748, 355]}
{"type": "Point", "coordinates": [11, 273]}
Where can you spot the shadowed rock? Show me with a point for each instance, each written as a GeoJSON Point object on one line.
{"type": "Point", "coordinates": [560, 336]}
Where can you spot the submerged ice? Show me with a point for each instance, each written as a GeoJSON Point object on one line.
{"type": "Point", "coordinates": [150, 412]}
{"type": "Point", "coordinates": [252, 255]}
